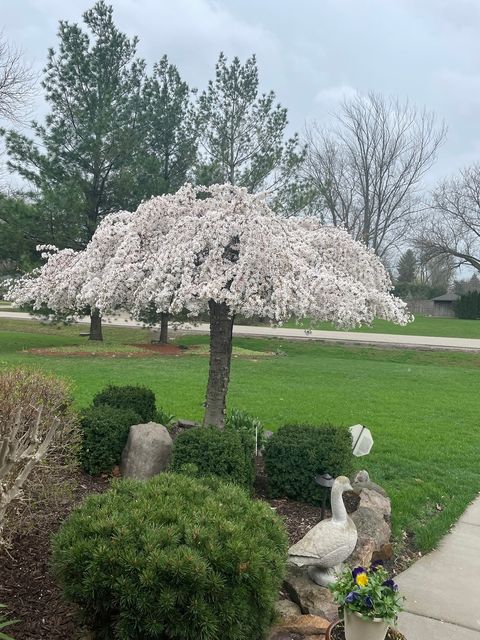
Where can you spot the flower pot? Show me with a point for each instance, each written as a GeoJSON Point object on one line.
{"type": "Point", "coordinates": [359, 628]}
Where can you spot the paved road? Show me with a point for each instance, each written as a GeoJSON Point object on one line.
{"type": "Point", "coordinates": [408, 342]}
{"type": "Point", "coordinates": [442, 589]}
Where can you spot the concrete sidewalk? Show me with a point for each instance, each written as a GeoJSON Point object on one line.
{"type": "Point", "coordinates": [442, 589]}
{"type": "Point", "coordinates": [385, 339]}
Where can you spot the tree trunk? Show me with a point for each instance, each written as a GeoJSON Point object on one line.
{"type": "Point", "coordinates": [163, 328]}
{"type": "Point", "coordinates": [95, 325]}
{"type": "Point", "coordinates": [221, 326]}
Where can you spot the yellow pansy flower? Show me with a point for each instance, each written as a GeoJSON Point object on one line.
{"type": "Point", "coordinates": [362, 579]}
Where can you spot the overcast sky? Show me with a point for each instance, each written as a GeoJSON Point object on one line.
{"type": "Point", "coordinates": [311, 52]}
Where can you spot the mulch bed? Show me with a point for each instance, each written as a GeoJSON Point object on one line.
{"type": "Point", "coordinates": [28, 588]}
{"type": "Point", "coordinates": [158, 349]}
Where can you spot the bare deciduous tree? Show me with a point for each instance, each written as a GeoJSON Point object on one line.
{"type": "Point", "coordinates": [453, 226]}
{"type": "Point", "coordinates": [16, 82]}
{"type": "Point", "coordinates": [367, 171]}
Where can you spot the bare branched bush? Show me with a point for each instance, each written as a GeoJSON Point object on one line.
{"type": "Point", "coordinates": [36, 423]}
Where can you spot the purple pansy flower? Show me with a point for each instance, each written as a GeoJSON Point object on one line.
{"type": "Point", "coordinates": [357, 571]}
{"type": "Point", "coordinates": [376, 564]}
{"type": "Point", "coordinates": [390, 584]}
{"type": "Point", "coordinates": [352, 597]}
{"type": "Point", "coordinates": [368, 602]}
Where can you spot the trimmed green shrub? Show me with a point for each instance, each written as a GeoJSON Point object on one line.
{"type": "Point", "coordinates": [173, 558]}
{"type": "Point", "coordinates": [244, 423]}
{"type": "Point", "coordinates": [295, 454]}
{"type": "Point", "coordinates": [226, 454]}
{"type": "Point", "coordinates": [139, 399]}
{"type": "Point", "coordinates": [467, 306]}
{"type": "Point", "coordinates": [104, 435]}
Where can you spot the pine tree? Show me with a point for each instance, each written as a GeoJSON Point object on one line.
{"type": "Point", "coordinates": [243, 136]}
{"type": "Point", "coordinates": [407, 267]}
{"type": "Point", "coordinates": [82, 163]}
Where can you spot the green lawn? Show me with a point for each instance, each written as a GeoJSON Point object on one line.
{"type": "Point", "coordinates": [422, 407]}
{"type": "Point", "coordinates": [421, 326]}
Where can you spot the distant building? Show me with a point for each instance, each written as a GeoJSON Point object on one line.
{"type": "Point", "coordinates": [444, 305]}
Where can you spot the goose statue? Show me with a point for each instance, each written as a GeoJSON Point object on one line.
{"type": "Point", "coordinates": [329, 542]}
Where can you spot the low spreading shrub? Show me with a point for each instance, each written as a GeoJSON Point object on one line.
{"type": "Point", "coordinates": [173, 558]}
{"type": "Point", "coordinates": [139, 399]}
{"type": "Point", "coordinates": [226, 454]}
{"type": "Point", "coordinates": [105, 431]}
{"type": "Point", "coordinates": [295, 454]}
{"type": "Point", "coordinates": [36, 421]}
{"type": "Point", "coordinates": [249, 425]}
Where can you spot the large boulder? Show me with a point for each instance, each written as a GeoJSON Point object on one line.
{"type": "Point", "coordinates": [310, 597]}
{"type": "Point", "coordinates": [147, 452]}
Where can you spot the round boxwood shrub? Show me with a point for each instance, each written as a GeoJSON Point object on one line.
{"type": "Point", "coordinates": [173, 558]}
{"type": "Point", "coordinates": [105, 432]}
{"type": "Point", "coordinates": [139, 399]}
{"type": "Point", "coordinates": [295, 454]}
{"type": "Point", "coordinates": [225, 453]}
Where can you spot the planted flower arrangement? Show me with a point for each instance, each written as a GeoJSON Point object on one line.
{"type": "Point", "coordinates": [370, 602]}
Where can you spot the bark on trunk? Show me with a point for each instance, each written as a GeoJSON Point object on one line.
{"type": "Point", "coordinates": [163, 328]}
{"type": "Point", "coordinates": [95, 325]}
{"type": "Point", "coordinates": [221, 326]}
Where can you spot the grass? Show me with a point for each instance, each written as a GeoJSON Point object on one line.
{"type": "Point", "coordinates": [422, 407]}
{"type": "Point", "coordinates": [421, 326]}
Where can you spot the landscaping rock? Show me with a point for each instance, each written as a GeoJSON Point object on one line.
{"type": "Point", "coordinates": [300, 627]}
{"type": "Point", "coordinates": [363, 553]}
{"type": "Point", "coordinates": [147, 451]}
{"type": "Point", "coordinates": [373, 534]}
{"type": "Point", "coordinates": [311, 598]}
{"type": "Point", "coordinates": [287, 609]}
{"type": "Point", "coordinates": [374, 500]}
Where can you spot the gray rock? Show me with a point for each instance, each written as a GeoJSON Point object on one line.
{"type": "Point", "coordinates": [310, 597]}
{"type": "Point", "coordinates": [287, 609]}
{"type": "Point", "coordinates": [371, 524]}
{"type": "Point", "coordinates": [147, 451]}
{"type": "Point", "coordinates": [374, 500]}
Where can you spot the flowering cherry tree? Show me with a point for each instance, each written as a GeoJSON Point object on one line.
{"type": "Point", "coordinates": [222, 250]}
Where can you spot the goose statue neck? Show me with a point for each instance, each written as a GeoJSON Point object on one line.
{"type": "Point", "coordinates": [339, 513]}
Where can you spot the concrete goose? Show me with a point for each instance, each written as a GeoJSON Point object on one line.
{"type": "Point", "coordinates": [328, 543]}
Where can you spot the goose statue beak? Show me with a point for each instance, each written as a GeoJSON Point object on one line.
{"type": "Point", "coordinates": [348, 487]}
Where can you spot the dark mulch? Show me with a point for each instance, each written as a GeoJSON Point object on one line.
{"type": "Point", "coordinates": [27, 586]}
{"type": "Point", "coordinates": [338, 633]}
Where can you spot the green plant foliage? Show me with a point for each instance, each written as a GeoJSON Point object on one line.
{"type": "Point", "coordinates": [139, 399]}
{"type": "Point", "coordinates": [174, 558]}
{"type": "Point", "coordinates": [295, 454]}
{"type": "Point", "coordinates": [227, 454]}
{"type": "Point", "coordinates": [244, 423]}
{"type": "Point", "coordinates": [468, 306]}
{"type": "Point", "coordinates": [104, 435]}
{"type": "Point", "coordinates": [163, 417]}
{"type": "Point", "coordinates": [370, 592]}
{"type": "Point", "coordinates": [4, 623]}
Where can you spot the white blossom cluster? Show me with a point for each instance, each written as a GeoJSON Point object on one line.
{"type": "Point", "coordinates": [218, 243]}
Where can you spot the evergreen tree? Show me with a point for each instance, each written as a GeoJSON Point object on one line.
{"type": "Point", "coordinates": [82, 163]}
{"type": "Point", "coordinates": [407, 267]}
{"type": "Point", "coordinates": [243, 136]}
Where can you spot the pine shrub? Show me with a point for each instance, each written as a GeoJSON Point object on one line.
{"type": "Point", "coordinates": [139, 399]}
{"type": "Point", "coordinates": [105, 432]}
{"type": "Point", "coordinates": [224, 453]}
{"type": "Point", "coordinates": [173, 558]}
{"type": "Point", "coordinates": [295, 454]}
